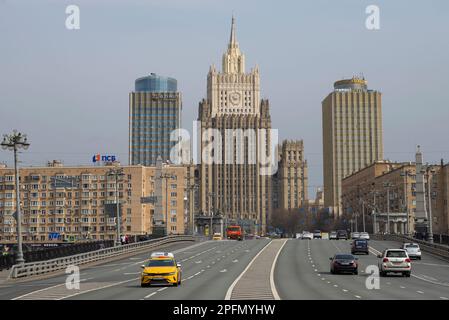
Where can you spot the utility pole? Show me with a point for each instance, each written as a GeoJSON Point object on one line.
{"type": "Point", "coordinates": [388, 185]}
{"type": "Point", "coordinates": [429, 171]}
{"type": "Point", "coordinates": [13, 142]}
{"type": "Point", "coordinates": [166, 176]}
{"type": "Point", "coordinates": [406, 174]}
{"type": "Point", "coordinates": [211, 194]}
{"type": "Point", "coordinates": [116, 172]}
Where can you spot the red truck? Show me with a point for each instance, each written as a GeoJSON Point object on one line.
{"type": "Point", "coordinates": [234, 232]}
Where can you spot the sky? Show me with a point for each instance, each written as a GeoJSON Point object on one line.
{"type": "Point", "coordinates": [68, 89]}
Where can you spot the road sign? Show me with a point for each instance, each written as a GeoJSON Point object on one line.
{"type": "Point", "coordinates": [110, 209]}
{"type": "Point", "coordinates": [15, 215]}
{"type": "Point", "coordinates": [53, 235]}
{"type": "Point", "coordinates": [150, 199]}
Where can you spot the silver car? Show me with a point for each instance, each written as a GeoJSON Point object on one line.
{"type": "Point", "coordinates": [395, 260]}
{"type": "Point", "coordinates": [355, 235]}
{"type": "Point", "coordinates": [364, 235]}
{"type": "Point", "coordinates": [413, 250]}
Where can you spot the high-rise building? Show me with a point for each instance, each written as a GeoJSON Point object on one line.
{"type": "Point", "coordinates": [290, 181]}
{"type": "Point", "coordinates": [233, 185]}
{"type": "Point", "coordinates": [154, 112]}
{"type": "Point", "coordinates": [352, 134]}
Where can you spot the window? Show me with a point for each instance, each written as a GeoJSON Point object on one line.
{"type": "Point", "coordinates": [173, 211]}
{"type": "Point", "coordinates": [173, 203]}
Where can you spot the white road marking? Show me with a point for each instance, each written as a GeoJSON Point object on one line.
{"type": "Point", "coordinates": [150, 295]}
{"type": "Point", "coordinates": [130, 273]}
{"type": "Point", "coordinates": [402, 287]}
{"type": "Point", "coordinates": [323, 279]}
{"type": "Point", "coordinates": [199, 261]}
{"type": "Point", "coordinates": [197, 273]}
{"type": "Point", "coordinates": [358, 297]}
{"type": "Point", "coordinates": [344, 290]}
{"type": "Point", "coordinates": [224, 270]}
{"type": "Point", "coordinates": [272, 284]}
{"type": "Point", "coordinates": [420, 292]}
{"type": "Point", "coordinates": [444, 298]}
{"type": "Point", "coordinates": [316, 269]}
{"type": "Point", "coordinates": [336, 285]}
{"type": "Point", "coordinates": [161, 289]}
{"type": "Point", "coordinates": [231, 288]}
{"type": "Point", "coordinates": [190, 277]}
{"type": "Point", "coordinates": [235, 261]}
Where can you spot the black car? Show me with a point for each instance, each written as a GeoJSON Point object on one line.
{"type": "Point", "coordinates": [343, 262]}
{"type": "Point", "coordinates": [342, 234]}
{"type": "Point", "coordinates": [359, 246]}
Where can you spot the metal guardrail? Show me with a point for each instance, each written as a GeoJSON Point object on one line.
{"type": "Point", "coordinates": [40, 267]}
{"type": "Point", "coordinates": [439, 250]}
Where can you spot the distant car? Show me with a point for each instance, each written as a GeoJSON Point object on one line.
{"type": "Point", "coordinates": [364, 235]}
{"type": "Point", "coordinates": [307, 235]}
{"type": "Point", "coordinates": [342, 234]}
{"type": "Point", "coordinates": [344, 263]}
{"type": "Point", "coordinates": [395, 260]}
{"type": "Point", "coordinates": [359, 246]}
{"type": "Point", "coordinates": [355, 235]}
{"type": "Point", "coordinates": [333, 235]}
{"type": "Point", "coordinates": [317, 234]}
{"type": "Point", "coordinates": [217, 236]}
{"type": "Point", "coordinates": [413, 250]}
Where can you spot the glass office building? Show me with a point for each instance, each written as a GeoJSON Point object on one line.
{"type": "Point", "coordinates": [154, 112]}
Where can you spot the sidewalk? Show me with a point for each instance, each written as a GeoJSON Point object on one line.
{"type": "Point", "coordinates": [4, 274]}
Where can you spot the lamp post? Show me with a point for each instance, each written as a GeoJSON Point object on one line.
{"type": "Point", "coordinates": [13, 142]}
{"type": "Point", "coordinates": [166, 176]}
{"type": "Point", "coordinates": [116, 172]}
{"type": "Point", "coordinates": [388, 185]}
{"type": "Point", "coordinates": [191, 206]}
{"type": "Point", "coordinates": [211, 194]}
{"type": "Point", "coordinates": [429, 172]}
{"type": "Point", "coordinates": [406, 174]}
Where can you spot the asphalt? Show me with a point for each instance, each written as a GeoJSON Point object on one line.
{"type": "Point", "coordinates": [303, 272]}
{"type": "Point", "coordinates": [209, 268]}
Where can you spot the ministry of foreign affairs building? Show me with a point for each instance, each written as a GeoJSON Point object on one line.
{"type": "Point", "coordinates": [231, 188]}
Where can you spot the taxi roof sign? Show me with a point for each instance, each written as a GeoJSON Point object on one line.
{"type": "Point", "coordinates": [162, 255]}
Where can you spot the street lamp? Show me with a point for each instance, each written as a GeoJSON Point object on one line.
{"type": "Point", "coordinates": [388, 185]}
{"type": "Point", "coordinates": [211, 194]}
{"type": "Point", "coordinates": [13, 142]}
{"type": "Point", "coordinates": [406, 174]}
{"type": "Point", "coordinates": [166, 176]}
{"type": "Point", "coordinates": [429, 172]}
{"type": "Point", "coordinates": [116, 172]}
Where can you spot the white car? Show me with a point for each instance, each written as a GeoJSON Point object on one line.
{"type": "Point", "coordinates": [413, 250]}
{"type": "Point", "coordinates": [395, 260]}
{"type": "Point", "coordinates": [364, 235]}
{"type": "Point", "coordinates": [355, 235]}
{"type": "Point", "coordinates": [307, 235]}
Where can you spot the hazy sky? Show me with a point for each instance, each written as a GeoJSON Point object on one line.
{"type": "Point", "coordinates": [68, 89]}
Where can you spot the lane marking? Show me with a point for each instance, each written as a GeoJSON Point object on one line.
{"type": "Point", "coordinates": [161, 289]}
{"type": "Point", "coordinates": [402, 287]}
{"type": "Point", "coordinates": [358, 297]}
{"type": "Point", "coordinates": [344, 290]}
{"type": "Point", "coordinates": [272, 284]}
{"type": "Point", "coordinates": [150, 295]}
{"type": "Point", "coordinates": [444, 298]}
{"type": "Point", "coordinates": [231, 287]}
{"type": "Point", "coordinates": [420, 292]}
{"type": "Point", "coordinates": [224, 270]}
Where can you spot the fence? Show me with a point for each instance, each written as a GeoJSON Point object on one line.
{"type": "Point", "coordinates": [41, 267]}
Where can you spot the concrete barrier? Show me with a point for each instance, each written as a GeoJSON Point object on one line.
{"type": "Point", "coordinates": [40, 267]}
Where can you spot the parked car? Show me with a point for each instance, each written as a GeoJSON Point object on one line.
{"type": "Point", "coordinates": [333, 235]}
{"type": "Point", "coordinates": [317, 234]}
{"type": "Point", "coordinates": [342, 234]}
{"type": "Point", "coordinates": [364, 235]}
{"type": "Point", "coordinates": [344, 263]}
{"type": "Point", "coordinates": [413, 250]}
{"type": "Point", "coordinates": [395, 260]}
{"type": "Point", "coordinates": [359, 246]}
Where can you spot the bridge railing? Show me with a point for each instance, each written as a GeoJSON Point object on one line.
{"type": "Point", "coordinates": [40, 267]}
{"type": "Point", "coordinates": [439, 250]}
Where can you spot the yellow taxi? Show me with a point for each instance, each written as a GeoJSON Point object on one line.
{"type": "Point", "coordinates": [217, 236]}
{"type": "Point", "coordinates": [161, 268]}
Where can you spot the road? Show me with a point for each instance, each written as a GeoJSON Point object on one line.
{"type": "Point", "coordinates": [282, 269]}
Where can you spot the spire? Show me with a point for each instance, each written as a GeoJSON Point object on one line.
{"type": "Point", "coordinates": [232, 40]}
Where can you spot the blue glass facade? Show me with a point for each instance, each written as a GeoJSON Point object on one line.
{"type": "Point", "coordinates": [156, 83]}
{"type": "Point", "coordinates": [154, 112]}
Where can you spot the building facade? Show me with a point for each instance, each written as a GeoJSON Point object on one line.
{"type": "Point", "coordinates": [352, 134]}
{"type": "Point", "coordinates": [237, 123]}
{"type": "Point", "coordinates": [154, 112]}
{"type": "Point", "coordinates": [290, 182]}
{"type": "Point", "coordinates": [390, 188]}
{"type": "Point", "coordinates": [72, 201]}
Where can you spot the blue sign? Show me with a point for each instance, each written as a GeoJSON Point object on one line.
{"type": "Point", "coordinates": [53, 235]}
{"type": "Point", "coordinates": [98, 158]}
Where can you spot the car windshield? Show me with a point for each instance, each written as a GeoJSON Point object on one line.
{"type": "Point", "coordinates": [344, 257]}
{"type": "Point", "coordinates": [412, 246]}
{"type": "Point", "coordinates": [317, 231]}
{"type": "Point", "coordinates": [396, 254]}
{"type": "Point", "coordinates": [360, 242]}
{"type": "Point", "coordinates": [233, 228]}
{"type": "Point", "coordinates": [161, 263]}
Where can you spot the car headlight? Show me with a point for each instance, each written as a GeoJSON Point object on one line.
{"type": "Point", "coordinates": [172, 273]}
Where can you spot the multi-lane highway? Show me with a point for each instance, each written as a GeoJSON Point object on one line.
{"type": "Point", "coordinates": [250, 269]}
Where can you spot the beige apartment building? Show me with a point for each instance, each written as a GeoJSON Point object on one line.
{"type": "Point", "coordinates": [290, 182]}
{"type": "Point", "coordinates": [352, 134]}
{"type": "Point", "coordinates": [72, 201]}
{"type": "Point", "coordinates": [368, 188]}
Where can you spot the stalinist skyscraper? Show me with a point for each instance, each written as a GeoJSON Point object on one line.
{"type": "Point", "coordinates": [233, 184]}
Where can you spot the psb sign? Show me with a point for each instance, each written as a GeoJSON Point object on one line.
{"type": "Point", "coordinates": [103, 158]}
